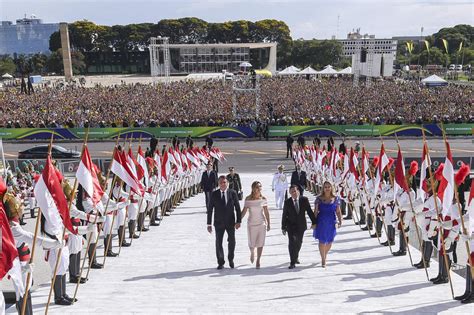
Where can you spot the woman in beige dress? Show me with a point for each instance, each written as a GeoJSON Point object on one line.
{"type": "Point", "coordinates": [258, 222]}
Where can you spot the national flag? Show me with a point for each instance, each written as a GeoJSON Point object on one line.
{"type": "Point", "coordinates": [121, 168]}
{"type": "Point", "coordinates": [143, 166]}
{"type": "Point", "coordinates": [166, 166]}
{"type": "Point", "coordinates": [133, 165]}
{"type": "Point", "coordinates": [383, 162]}
{"type": "Point", "coordinates": [425, 163]}
{"type": "Point", "coordinates": [201, 156]}
{"type": "Point", "coordinates": [400, 181]}
{"type": "Point", "coordinates": [9, 251]}
{"type": "Point", "coordinates": [353, 162]}
{"type": "Point", "coordinates": [446, 186]}
{"type": "Point", "coordinates": [157, 159]}
{"type": "Point", "coordinates": [192, 158]}
{"type": "Point", "coordinates": [346, 165]}
{"type": "Point", "coordinates": [86, 175]}
{"type": "Point", "coordinates": [52, 201]}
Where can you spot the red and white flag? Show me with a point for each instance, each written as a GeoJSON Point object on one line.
{"type": "Point", "coordinates": [133, 165]}
{"type": "Point", "coordinates": [425, 162]}
{"type": "Point", "coordinates": [144, 168]}
{"type": "Point", "coordinates": [166, 166]}
{"type": "Point", "coordinates": [52, 201]}
{"type": "Point", "coordinates": [446, 186]}
{"type": "Point", "coordinates": [122, 169]}
{"type": "Point", "coordinates": [9, 251]}
{"type": "Point", "coordinates": [157, 159]}
{"type": "Point", "coordinates": [400, 182]}
{"type": "Point", "coordinates": [383, 162]}
{"type": "Point", "coordinates": [353, 162]}
{"type": "Point", "coordinates": [87, 177]}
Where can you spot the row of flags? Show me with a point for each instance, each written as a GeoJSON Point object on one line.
{"type": "Point", "coordinates": [411, 46]}
{"type": "Point", "coordinates": [132, 169]}
{"type": "Point", "coordinates": [326, 162]}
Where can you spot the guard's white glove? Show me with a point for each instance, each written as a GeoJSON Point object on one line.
{"type": "Point", "coordinates": [58, 244]}
{"type": "Point", "coordinates": [447, 225]}
{"type": "Point", "coordinates": [27, 268]}
{"type": "Point", "coordinates": [90, 228]}
{"type": "Point", "coordinates": [101, 219]}
{"type": "Point", "coordinates": [448, 241]}
{"type": "Point", "coordinates": [465, 238]}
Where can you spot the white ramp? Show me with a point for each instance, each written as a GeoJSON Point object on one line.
{"type": "Point", "coordinates": [172, 269]}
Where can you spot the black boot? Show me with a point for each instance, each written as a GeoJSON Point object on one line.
{"type": "Point", "coordinates": [65, 296]}
{"type": "Point", "coordinates": [92, 261]}
{"type": "Point", "coordinates": [109, 252]}
{"type": "Point", "coordinates": [28, 306]}
{"type": "Point", "coordinates": [58, 292]}
{"type": "Point", "coordinates": [443, 278]}
{"type": "Point", "coordinates": [132, 224]}
{"type": "Point", "coordinates": [470, 298]}
{"type": "Point", "coordinates": [468, 291]}
{"type": "Point", "coordinates": [32, 213]}
{"type": "Point", "coordinates": [121, 236]}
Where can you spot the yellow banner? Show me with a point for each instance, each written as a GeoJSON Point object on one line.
{"type": "Point", "coordinates": [445, 43]}
{"type": "Point", "coordinates": [427, 44]}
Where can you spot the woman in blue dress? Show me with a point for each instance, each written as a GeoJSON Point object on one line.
{"type": "Point", "coordinates": [326, 209]}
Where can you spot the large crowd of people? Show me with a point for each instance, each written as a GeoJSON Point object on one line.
{"type": "Point", "coordinates": [283, 101]}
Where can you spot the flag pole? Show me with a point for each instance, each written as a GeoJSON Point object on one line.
{"type": "Point", "coordinates": [383, 219]}
{"type": "Point", "coordinates": [402, 223]}
{"type": "Point", "coordinates": [438, 213]}
{"type": "Point", "coordinates": [456, 194]}
{"type": "Point", "coordinates": [98, 234]}
{"type": "Point", "coordinates": [33, 246]}
{"type": "Point", "coordinates": [126, 213]}
{"type": "Point", "coordinates": [141, 200]}
{"type": "Point", "coordinates": [414, 220]}
{"type": "Point", "coordinates": [112, 187]}
{"type": "Point", "coordinates": [58, 256]}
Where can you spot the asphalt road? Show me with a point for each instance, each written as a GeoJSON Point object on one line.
{"type": "Point", "coordinates": [264, 156]}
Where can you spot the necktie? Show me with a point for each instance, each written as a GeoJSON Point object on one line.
{"type": "Point", "coordinates": [297, 207]}
{"type": "Point", "coordinates": [223, 197]}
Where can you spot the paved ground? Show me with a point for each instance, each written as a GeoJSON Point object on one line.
{"type": "Point", "coordinates": [262, 156]}
{"type": "Point", "coordinates": [171, 269]}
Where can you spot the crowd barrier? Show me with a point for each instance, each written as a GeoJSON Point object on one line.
{"type": "Point", "coordinates": [237, 132]}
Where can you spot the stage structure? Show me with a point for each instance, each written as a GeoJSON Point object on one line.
{"type": "Point", "coordinates": [210, 58]}
{"type": "Point", "coordinates": [160, 57]}
{"type": "Point", "coordinates": [246, 84]}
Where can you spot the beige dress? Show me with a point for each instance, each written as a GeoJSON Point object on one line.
{"type": "Point", "coordinates": [256, 226]}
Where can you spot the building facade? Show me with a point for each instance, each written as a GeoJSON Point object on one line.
{"type": "Point", "coordinates": [212, 58]}
{"type": "Point", "coordinates": [28, 36]}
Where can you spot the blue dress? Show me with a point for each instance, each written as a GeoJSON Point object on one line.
{"type": "Point", "coordinates": [325, 230]}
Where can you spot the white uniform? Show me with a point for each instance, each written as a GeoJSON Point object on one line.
{"type": "Point", "coordinates": [279, 185]}
{"type": "Point", "coordinates": [120, 195]}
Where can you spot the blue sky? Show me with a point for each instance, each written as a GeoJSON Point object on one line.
{"type": "Point", "coordinates": [306, 19]}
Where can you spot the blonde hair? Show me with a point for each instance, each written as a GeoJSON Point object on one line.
{"type": "Point", "coordinates": [253, 194]}
{"type": "Point", "coordinates": [333, 194]}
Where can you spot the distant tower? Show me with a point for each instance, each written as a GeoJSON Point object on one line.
{"type": "Point", "coordinates": [66, 50]}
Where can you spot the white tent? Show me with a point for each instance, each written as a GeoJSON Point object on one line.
{"type": "Point", "coordinates": [347, 70]}
{"type": "Point", "coordinates": [308, 70]}
{"type": "Point", "coordinates": [7, 76]}
{"type": "Point", "coordinates": [328, 70]}
{"type": "Point", "coordinates": [434, 80]}
{"type": "Point", "coordinates": [289, 70]}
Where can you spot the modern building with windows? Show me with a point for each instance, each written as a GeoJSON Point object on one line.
{"type": "Point", "coordinates": [213, 58]}
{"type": "Point", "coordinates": [373, 57]}
{"type": "Point", "coordinates": [28, 36]}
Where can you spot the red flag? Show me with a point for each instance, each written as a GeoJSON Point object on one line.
{"type": "Point", "coordinates": [122, 169]}
{"type": "Point", "coordinates": [9, 251]}
{"type": "Point", "coordinates": [446, 186]}
{"type": "Point", "coordinates": [87, 176]}
{"type": "Point", "coordinates": [51, 199]}
{"type": "Point", "coordinates": [400, 173]}
{"type": "Point", "coordinates": [352, 164]}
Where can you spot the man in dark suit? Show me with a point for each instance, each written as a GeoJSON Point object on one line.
{"type": "Point", "coordinates": [208, 183]}
{"type": "Point", "coordinates": [223, 203]}
{"type": "Point", "coordinates": [153, 144]}
{"type": "Point", "coordinates": [293, 222]}
{"type": "Point", "coordinates": [289, 145]}
{"type": "Point", "coordinates": [298, 178]}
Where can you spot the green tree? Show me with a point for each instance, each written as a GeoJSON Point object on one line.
{"type": "Point", "coordinates": [7, 65]}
